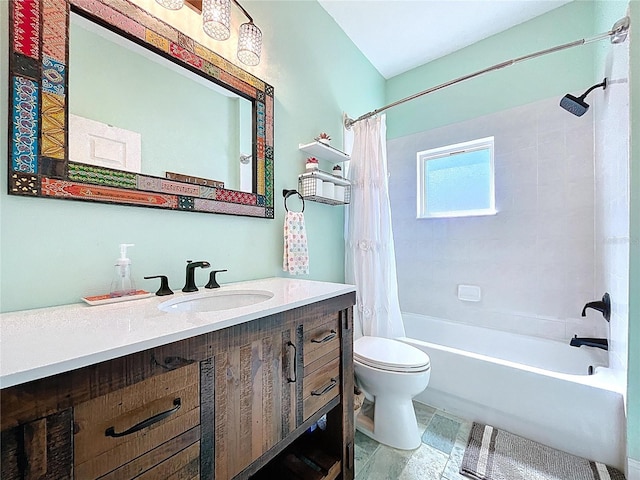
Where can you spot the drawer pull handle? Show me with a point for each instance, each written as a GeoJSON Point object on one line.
{"type": "Point", "coordinates": [111, 432]}
{"type": "Point", "coordinates": [319, 393]}
{"type": "Point", "coordinates": [331, 336]}
{"type": "Point", "coordinates": [295, 361]}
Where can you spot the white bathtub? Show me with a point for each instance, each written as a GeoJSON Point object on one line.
{"type": "Point", "coordinates": [536, 388]}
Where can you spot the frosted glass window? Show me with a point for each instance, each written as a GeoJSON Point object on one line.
{"type": "Point", "coordinates": [457, 180]}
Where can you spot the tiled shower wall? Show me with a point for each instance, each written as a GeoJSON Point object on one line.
{"type": "Point", "coordinates": [535, 259]}
{"type": "Point", "coordinates": [611, 114]}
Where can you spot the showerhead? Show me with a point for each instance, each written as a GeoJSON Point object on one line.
{"type": "Point", "coordinates": [574, 105]}
{"type": "Point", "coordinates": [577, 105]}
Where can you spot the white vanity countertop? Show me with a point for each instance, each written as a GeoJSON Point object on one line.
{"type": "Point", "coordinates": [39, 343]}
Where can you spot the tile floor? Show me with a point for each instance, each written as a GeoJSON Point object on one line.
{"type": "Point", "coordinates": [444, 439]}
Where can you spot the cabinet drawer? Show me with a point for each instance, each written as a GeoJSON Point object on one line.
{"type": "Point", "coordinates": [183, 465]}
{"type": "Point", "coordinates": [164, 406]}
{"type": "Point", "coordinates": [321, 340]}
{"type": "Point", "coordinates": [320, 387]}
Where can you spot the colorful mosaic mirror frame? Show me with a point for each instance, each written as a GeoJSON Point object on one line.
{"type": "Point", "coordinates": [38, 111]}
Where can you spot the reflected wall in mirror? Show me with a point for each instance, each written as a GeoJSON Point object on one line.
{"type": "Point", "coordinates": [71, 143]}
{"type": "Point", "coordinates": [183, 122]}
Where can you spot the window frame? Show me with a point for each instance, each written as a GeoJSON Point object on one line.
{"type": "Point", "coordinates": [424, 156]}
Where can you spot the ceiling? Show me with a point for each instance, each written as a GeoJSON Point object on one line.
{"type": "Point", "coordinates": [398, 35]}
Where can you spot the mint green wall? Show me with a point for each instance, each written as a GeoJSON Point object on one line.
{"type": "Point", "coordinates": [54, 251]}
{"type": "Point", "coordinates": [633, 396]}
{"type": "Point", "coordinates": [523, 83]}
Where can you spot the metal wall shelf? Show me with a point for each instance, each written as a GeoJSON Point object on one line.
{"type": "Point", "coordinates": [309, 183]}
{"type": "Point", "coordinates": [326, 177]}
{"type": "Point", "coordinates": [308, 187]}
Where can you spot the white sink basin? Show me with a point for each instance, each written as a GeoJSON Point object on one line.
{"type": "Point", "coordinates": [214, 301]}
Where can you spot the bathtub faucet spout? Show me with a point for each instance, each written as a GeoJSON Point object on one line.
{"type": "Point", "coordinates": [589, 342]}
{"type": "Point", "coordinates": [603, 306]}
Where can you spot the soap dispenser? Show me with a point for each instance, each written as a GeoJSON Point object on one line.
{"type": "Point", "coordinates": [122, 282]}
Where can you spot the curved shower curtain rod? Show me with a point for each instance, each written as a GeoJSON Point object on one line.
{"type": "Point", "coordinates": [618, 34]}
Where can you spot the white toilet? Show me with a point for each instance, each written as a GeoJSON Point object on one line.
{"type": "Point", "coordinates": [390, 373]}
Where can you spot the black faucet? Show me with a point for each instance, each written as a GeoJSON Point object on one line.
{"type": "Point", "coordinates": [603, 306]}
{"type": "Point", "coordinates": [190, 282]}
{"type": "Point", "coordinates": [589, 342]}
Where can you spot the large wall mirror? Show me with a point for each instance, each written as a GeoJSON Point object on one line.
{"type": "Point", "coordinates": [110, 104]}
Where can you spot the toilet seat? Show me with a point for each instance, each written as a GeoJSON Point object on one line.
{"type": "Point", "coordinates": [390, 355]}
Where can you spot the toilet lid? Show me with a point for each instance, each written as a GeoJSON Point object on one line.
{"type": "Point", "coordinates": [390, 355]}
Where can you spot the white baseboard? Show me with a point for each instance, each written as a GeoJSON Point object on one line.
{"type": "Point", "coordinates": [633, 469]}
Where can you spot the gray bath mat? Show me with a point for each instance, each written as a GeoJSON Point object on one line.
{"type": "Point", "coordinates": [494, 454]}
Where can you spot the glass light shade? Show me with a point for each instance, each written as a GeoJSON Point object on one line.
{"type": "Point", "coordinates": [171, 4]}
{"type": "Point", "coordinates": [216, 18]}
{"type": "Point", "coordinates": [249, 44]}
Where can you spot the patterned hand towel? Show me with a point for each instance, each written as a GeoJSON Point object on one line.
{"type": "Point", "coordinates": [296, 254]}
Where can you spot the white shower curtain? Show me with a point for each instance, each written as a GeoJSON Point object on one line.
{"type": "Point", "coordinates": [369, 251]}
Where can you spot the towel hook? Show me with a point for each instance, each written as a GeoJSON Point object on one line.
{"type": "Point", "coordinates": [287, 193]}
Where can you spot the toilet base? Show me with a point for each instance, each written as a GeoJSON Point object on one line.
{"type": "Point", "coordinates": [396, 425]}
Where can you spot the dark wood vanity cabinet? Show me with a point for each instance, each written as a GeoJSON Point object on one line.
{"type": "Point", "coordinates": [236, 403]}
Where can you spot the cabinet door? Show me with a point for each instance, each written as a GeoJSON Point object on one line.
{"type": "Point", "coordinates": [39, 449]}
{"type": "Point", "coordinates": [254, 396]}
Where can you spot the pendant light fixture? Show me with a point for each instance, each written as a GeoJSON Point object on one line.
{"type": "Point", "coordinates": [216, 18]}
{"type": "Point", "coordinates": [216, 22]}
{"type": "Point", "coordinates": [249, 40]}
{"type": "Point", "coordinates": [249, 44]}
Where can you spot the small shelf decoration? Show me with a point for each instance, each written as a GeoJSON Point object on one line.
{"type": "Point", "coordinates": [323, 138]}
{"type": "Point", "coordinates": [337, 171]}
{"type": "Point", "coordinates": [312, 163]}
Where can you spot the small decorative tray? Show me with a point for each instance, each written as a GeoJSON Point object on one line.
{"type": "Point", "coordinates": [104, 299]}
